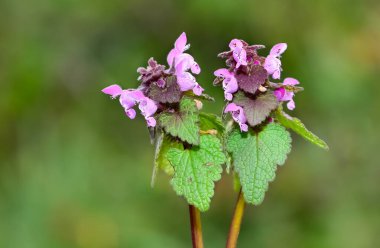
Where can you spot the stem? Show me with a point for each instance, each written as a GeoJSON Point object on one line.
{"type": "Point", "coordinates": [196, 227]}
{"type": "Point", "coordinates": [236, 222]}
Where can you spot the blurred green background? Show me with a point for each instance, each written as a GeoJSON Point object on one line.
{"type": "Point", "coordinates": [75, 172]}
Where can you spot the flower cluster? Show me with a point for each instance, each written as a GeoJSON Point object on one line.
{"type": "Point", "coordinates": [160, 87]}
{"type": "Point", "coordinates": [248, 77]}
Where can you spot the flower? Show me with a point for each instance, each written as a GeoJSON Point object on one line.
{"type": "Point", "coordinates": [182, 63]}
{"type": "Point", "coordinates": [230, 84]}
{"type": "Point", "coordinates": [179, 47]}
{"type": "Point", "coordinates": [284, 95]}
{"type": "Point", "coordinates": [151, 73]}
{"type": "Point", "coordinates": [238, 52]}
{"type": "Point", "coordinates": [238, 115]}
{"type": "Point", "coordinates": [129, 98]}
{"type": "Point", "coordinates": [272, 62]}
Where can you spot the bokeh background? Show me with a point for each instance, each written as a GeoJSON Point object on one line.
{"type": "Point", "coordinates": [75, 172]}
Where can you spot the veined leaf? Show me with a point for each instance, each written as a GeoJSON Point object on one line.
{"type": "Point", "coordinates": [170, 93]}
{"type": "Point", "coordinates": [196, 169]}
{"type": "Point", "coordinates": [250, 83]}
{"type": "Point", "coordinates": [211, 122]}
{"type": "Point", "coordinates": [259, 109]}
{"type": "Point", "coordinates": [183, 124]}
{"type": "Point", "coordinates": [256, 156]}
{"type": "Point", "coordinates": [297, 126]}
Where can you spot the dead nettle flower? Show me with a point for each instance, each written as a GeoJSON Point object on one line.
{"type": "Point", "coordinates": [246, 82]}
{"type": "Point", "coordinates": [160, 87]}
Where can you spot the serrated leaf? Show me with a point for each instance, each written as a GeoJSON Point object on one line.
{"type": "Point", "coordinates": [170, 93]}
{"type": "Point", "coordinates": [184, 123]}
{"type": "Point", "coordinates": [297, 126]}
{"type": "Point", "coordinates": [162, 161]}
{"type": "Point", "coordinates": [196, 169]}
{"type": "Point", "coordinates": [255, 158]}
{"type": "Point", "coordinates": [251, 82]}
{"type": "Point", "coordinates": [259, 109]}
{"type": "Point", "coordinates": [211, 122]}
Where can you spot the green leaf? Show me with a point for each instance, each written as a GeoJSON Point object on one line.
{"type": "Point", "coordinates": [211, 122]}
{"type": "Point", "coordinates": [196, 169]}
{"type": "Point", "coordinates": [297, 126]}
{"type": "Point", "coordinates": [184, 123]}
{"type": "Point", "coordinates": [256, 156]}
{"type": "Point", "coordinates": [162, 161]}
{"type": "Point", "coordinates": [257, 110]}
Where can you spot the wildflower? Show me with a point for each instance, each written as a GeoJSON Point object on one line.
{"type": "Point", "coordinates": [238, 115]}
{"type": "Point", "coordinates": [283, 94]}
{"type": "Point", "coordinates": [160, 88]}
{"type": "Point", "coordinates": [238, 52]}
{"type": "Point", "coordinates": [129, 98]}
{"type": "Point", "coordinates": [185, 79]}
{"type": "Point", "coordinates": [230, 84]}
{"type": "Point", "coordinates": [272, 62]}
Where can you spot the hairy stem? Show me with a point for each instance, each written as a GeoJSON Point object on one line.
{"type": "Point", "coordinates": [236, 222]}
{"type": "Point", "coordinates": [196, 227]}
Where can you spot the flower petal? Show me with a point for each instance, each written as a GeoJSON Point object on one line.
{"type": "Point", "coordinates": [243, 127]}
{"type": "Point", "coordinates": [290, 81]}
{"type": "Point", "coordinates": [272, 64]}
{"type": "Point", "coordinates": [113, 90]}
{"type": "Point", "coordinates": [291, 105]}
{"type": "Point", "coordinates": [186, 81]}
{"type": "Point", "coordinates": [172, 54]}
{"type": "Point", "coordinates": [181, 41]}
{"type": "Point", "coordinates": [198, 89]}
{"type": "Point", "coordinates": [148, 107]}
{"type": "Point", "coordinates": [195, 68]}
{"type": "Point", "coordinates": [279, 93]}
{"type": "Point", "coordinates": [240, 56]}
{"type": "Point", "coordinates": [278, 49]}
{"type": "Point", "coordinates": [228, 96]}
{"type": "Point", "coordinates": [231, 107]}
{"type": "Point", "coordinates": [235, 43]}
{"type": "Point", "coordinates": [131, 113]}
{"type": "Point", "coordinates": [151, 122]}
{"type": "Point", "coordinates": [126, 100]}
{"type": "Point", "coordinates": [223, 72]}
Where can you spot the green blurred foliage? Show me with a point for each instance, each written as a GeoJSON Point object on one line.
{"type": "Point", "coordinates": [74, 172]}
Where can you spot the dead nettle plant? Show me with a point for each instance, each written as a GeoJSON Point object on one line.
{"type": "Point", "coordinates": [191, 146]}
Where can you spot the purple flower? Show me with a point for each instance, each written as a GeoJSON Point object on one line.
{"type": "Point", "coordinates": [148, 107]}
{"type": "Point", "coordinates": [182, 63]}
{"type": "Point", "coordinates": [113, 90]}
{"type": "Point", "coordinates": [272, 62]}
{"type": "Point", "coordinates": [238, 52]}
{"type": "Point", "coordinates": [238, 115]}
{"type": "Point", "coordinates": [179, 47]}
{"type": "Point", "coordinates": [129, 98]}
{"type": "Point", "coordinates": [283, 95]}
{"type": "Point", "coordinates": [230, 84]}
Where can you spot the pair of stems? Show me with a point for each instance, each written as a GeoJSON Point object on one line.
{"type": "Point", "coordinates": [196, 226]}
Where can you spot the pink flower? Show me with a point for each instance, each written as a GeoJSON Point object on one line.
{"type": "Point", "coordinates": [179, 47]}
{"type": "Point", "coordinates": [238, 115]}
{"type": "Point", "coordinates": [182, 63]}
{"type": "Point", "coordinates": [272, 62]}
{"type": "Point", "coordinates": [129, 98]}
{"type": "Point", "coordinates": [238, 52]}
{"type": "Point", "coordinates": [113, 90]}
{"type": "Point", "coordinates": [230, 84]}
{"type": "Point", "coordinates": [148, 108]}
{"type": "Point", "coordinates": [283, 95]}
